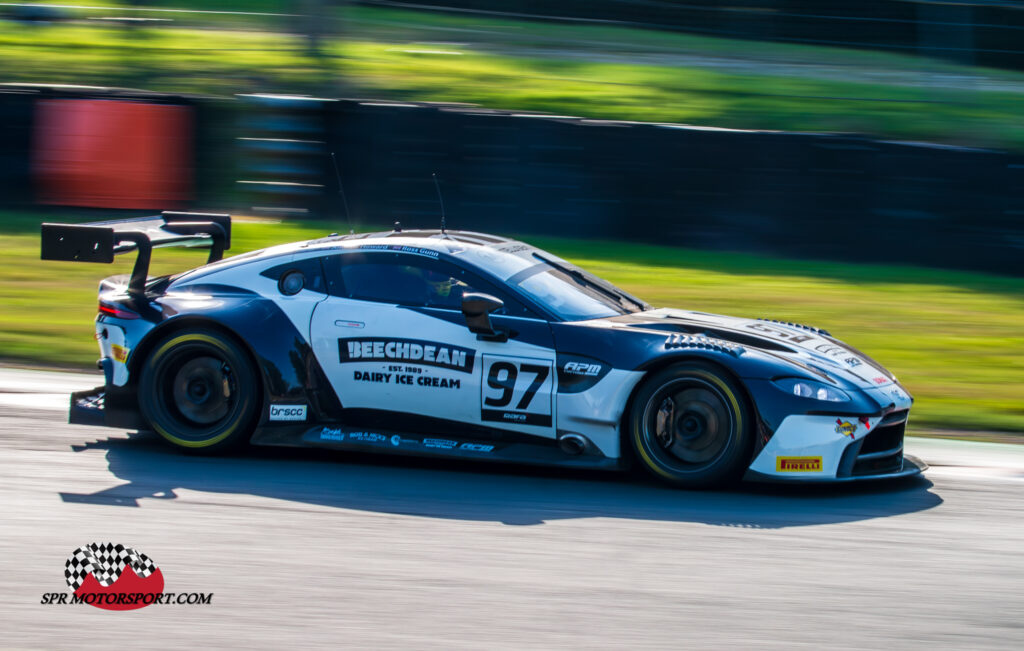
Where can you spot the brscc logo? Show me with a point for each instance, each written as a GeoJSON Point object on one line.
{"type": "Point", "coordinates": [287, 412]}
{"type": "Point", "coordinates": [113, 577]}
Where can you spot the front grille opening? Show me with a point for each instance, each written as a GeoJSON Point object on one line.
{"type": "Point", "coordinates": [882, 449]}
{"type": "Point", "coordinates": [880, 465]}
{"type": "Point", "coordinates": [884, 438]}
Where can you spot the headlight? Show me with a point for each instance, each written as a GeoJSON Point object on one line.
{"type": "Point", "coordinates": [811, 389]}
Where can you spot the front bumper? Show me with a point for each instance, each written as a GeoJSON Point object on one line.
{"type": "Point", "coordinates": [834, 448]}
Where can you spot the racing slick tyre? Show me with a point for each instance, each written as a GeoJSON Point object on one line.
{"type": "Point", "coordinates": [691, 426]}
{"type": "Point", "coordinates": [198, 390]}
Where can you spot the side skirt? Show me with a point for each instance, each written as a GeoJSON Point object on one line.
{"type": "Point", "coordinates": [386, 441]}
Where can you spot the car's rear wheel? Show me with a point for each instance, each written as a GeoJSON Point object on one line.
{"type": "Point", "coordinates": [199, 391]}
{"type": "Point", "coordinates": [690, 425]}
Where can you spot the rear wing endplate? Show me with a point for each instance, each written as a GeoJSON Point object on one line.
{"type": "Point", "coordinates": [101, 241]}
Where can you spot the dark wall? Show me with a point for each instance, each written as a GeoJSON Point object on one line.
{"type": "Point", "coordinates": [812, 195]}
{"type": "Point", "coordinates": [16, 111]}
{"type": "Point", "coordinates": [982, 32]}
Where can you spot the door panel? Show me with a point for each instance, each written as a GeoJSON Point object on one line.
{"type": "Point", "coordinates": [517, 391]}
{"type": "Point", "coordinates": [426, 362]}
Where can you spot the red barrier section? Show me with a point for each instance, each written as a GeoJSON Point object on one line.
{"type": "Point", "coordinates": [112, 154]}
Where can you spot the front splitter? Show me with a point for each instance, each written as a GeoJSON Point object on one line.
{"type": "Point", "coordinates": [911, 466]}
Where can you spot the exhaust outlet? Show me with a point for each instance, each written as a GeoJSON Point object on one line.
{"type": "Point", "coordinates": [573, 444]}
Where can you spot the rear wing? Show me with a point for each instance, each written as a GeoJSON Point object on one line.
{"type": "Point", "coordinates": [101, 241]}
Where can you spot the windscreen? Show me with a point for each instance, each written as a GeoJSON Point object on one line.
{"type": "Point", "coordinates": [564, 289]}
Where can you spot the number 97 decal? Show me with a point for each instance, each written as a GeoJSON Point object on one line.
{"type": "Point", "coordinates": [517, 391]}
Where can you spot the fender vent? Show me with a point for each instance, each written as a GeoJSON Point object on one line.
{"type": "Point", "coordinates": [706, 343]}
{"type": "Point", "coordinates": [818, 331]}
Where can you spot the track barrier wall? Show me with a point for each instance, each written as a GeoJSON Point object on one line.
{"type": "Point", "coordinates": [822, 196]}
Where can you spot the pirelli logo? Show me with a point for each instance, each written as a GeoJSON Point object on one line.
{"type": "Point", "coordinates": [798, 464]}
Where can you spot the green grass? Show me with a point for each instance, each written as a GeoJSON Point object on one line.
{"type": "Point", "coordinates": [684, 95]}
{"type": "Point", "coordinates": [583, 70]}
{"type": "Point", "coordinates": [953, 338]}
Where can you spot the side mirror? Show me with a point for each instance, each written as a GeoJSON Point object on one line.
{"type": "Point", "coordinates": [477, 309]}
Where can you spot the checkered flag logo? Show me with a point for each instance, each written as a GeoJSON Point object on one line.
{"type": "Point", "coordinates": [106, 562]}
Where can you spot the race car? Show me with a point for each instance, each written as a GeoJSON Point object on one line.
{"type": "Point", "coordinates": [461, 344]}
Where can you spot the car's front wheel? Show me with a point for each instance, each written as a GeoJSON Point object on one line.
{"type": "Point", "coordinates": [198, 390]}
{"type": "Point", "coordinates": [690, 425]}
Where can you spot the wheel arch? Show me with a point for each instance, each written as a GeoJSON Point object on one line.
{"type": "Point", "coordinates": [660, 364]}
{"type": "Point", "coordinates": [187, 322]}
{"type": "Point", "coordinates": [289, 371]}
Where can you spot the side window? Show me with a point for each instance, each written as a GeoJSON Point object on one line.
{"type": "Point", "coordinates": [412, 280]}
{"type": "Point", "coordinates": [312, 273]}
{"type": "Point", "coordinates": [447, 285]}
{"type": "Point", "coordinates": [386, 282]}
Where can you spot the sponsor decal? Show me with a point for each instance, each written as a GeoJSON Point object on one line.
{"type": "Point", "coordinates": [429, 353]}
{"type": "Point", "coordinates": [332, 434]}
{"type": "Point", "coordinates": [577, 374]}
{"type": "Point", "coordinates": [367, 376]}
{"type": "Point", "coordinates": [517, 391]}
{"type": "Point", "coordinates": [852, 362]}
{"type": "Point", "coordinates": [846, 428]}
{"type": "Point", "coordinates": [515, 417]}
{"type": "Point", "coordinates": [119, 353]}
{"type": "Point", "coordinates": [398, 247]}
{"type": "Point", "coordinates": [865, 422]}
{"type": "Point", "coordinates": [476, 447]}
{"type": "Point", "coordinates": [441, 444]}
{"type": "Point", "coordinates": [367, 437]}
{"type": "Point", "coordinates": [831, 350]}
{"type": "Point", "coordinates": [780, 333]}
{"type": "Point", "coordinates": [287, 412]}
{"type": "Point", "coordinates": [338, 434]}
{"type": "Point", "coordinates": [114, 577]}
{"type": "Point", "coordinates": [798, 464]}
{"type": "Point", "coordinates": [397, 440]}
{"type": "Point", "coordinates": [581, 368]}
{"type": "Point", "coordinates": [422, 380]}
{"type": "Point", "coordinates": [513, 248]}
{"type": "Point", "coordinates": [444, 383]}
{"type": "Point", "coordinates": [349, 324]}
{"type": "Point", "coordinates": [880, 380]}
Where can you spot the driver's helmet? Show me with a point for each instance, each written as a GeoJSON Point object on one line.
{"type": "Point", "coordinates": [440, 283]}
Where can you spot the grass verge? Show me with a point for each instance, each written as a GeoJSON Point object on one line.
{"type": "Point", "coordinates": [589, 71]}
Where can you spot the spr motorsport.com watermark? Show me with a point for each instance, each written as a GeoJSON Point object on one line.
{"type": "Point", "coordinates": [115, 577]}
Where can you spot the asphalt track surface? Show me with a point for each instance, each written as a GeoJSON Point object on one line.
{"type": "Point", "coordinates": [303, 549]}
